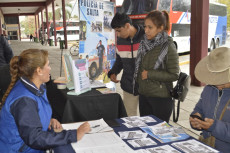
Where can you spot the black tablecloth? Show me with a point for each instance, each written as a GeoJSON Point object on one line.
{"type": "Point", "coordinates": [91, 105]}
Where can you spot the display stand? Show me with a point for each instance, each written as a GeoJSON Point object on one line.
{"type": "Point", "coordinates": [81, 77]}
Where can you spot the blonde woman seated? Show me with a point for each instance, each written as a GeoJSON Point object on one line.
{"type": "Point", "coordinates": [25, 117]}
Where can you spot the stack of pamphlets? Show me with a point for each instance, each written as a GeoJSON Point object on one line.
{"type": "Point", "coordinates": [164, 133]}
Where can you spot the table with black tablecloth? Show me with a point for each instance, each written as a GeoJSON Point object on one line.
{"type": "Point", "coordinates": [91, 105]}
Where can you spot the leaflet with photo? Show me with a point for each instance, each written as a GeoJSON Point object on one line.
{"type": "Point", "coordinates": [148, 119]}
{"type": "Point", "coordinates": [134, 124]}
{"type": "Point", "coordinates": [193, 146]}
{"type": "Point", "coordinates": [131, 118]}
{"type": "Point", "coordinates": [164, 133]}
{"type": "Point", "coordinates": [162, 149]}
{"type": "Point", "coordinates": [145, 119]}
{"type": "Point", "coordinates": [132, 134]}
{"type": "Point", "coordinates": [142, 142]}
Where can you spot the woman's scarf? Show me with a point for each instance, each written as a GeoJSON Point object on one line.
{"type": "Point", "coordinates": [146, 45]}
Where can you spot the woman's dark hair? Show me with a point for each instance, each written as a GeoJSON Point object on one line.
{"type": "Point", "coordinates": [159, 18]}
{"type": "Point", "coordinates": [119, 20]}
{"type": "Point", "coordinates": [25, 65]}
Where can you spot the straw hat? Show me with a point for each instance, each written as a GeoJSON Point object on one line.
{"type": "Point", "coordinates": [214, 69]}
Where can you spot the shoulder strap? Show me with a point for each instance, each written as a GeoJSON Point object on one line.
{"type": "Point", "coordinates": [176, 114]}
{"type": "Point", "coordinates": [225, 107]}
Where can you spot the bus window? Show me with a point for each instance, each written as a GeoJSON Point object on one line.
{"type": "Point", "coordinates": [164, 5]}
{"type": "Point", "coordinates": [181, 5]}
{"type": "Point", "coordinates": [70, 24]}
{"type": "Point", "coordinates": [180, 30]}
{"type": "Point", "coordinates": [132, 7]}
{"type": "Point", "coordinates": [217, 10]}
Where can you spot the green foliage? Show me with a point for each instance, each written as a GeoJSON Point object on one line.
{"type": "Point", "coordinates": [50, 16]}
{"type": "Point", "coordinates": [227, 2]}
{"type": "Point", "coordinates": [58, 14]}
{"type": "Point", "coordinates": [29, 25]}
{"type": "Point", "coordinates": [68, 10]}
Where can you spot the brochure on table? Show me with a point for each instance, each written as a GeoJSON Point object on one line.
{"type": "Point", "coordinates": [164, 133]}
{"type": "Point", "coordinates": [81, 77]}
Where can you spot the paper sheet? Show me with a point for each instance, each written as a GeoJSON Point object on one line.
{"type": "Point", "coordinates": [103, 126]}
{"type": "Point", "coordinates": [99, 141]}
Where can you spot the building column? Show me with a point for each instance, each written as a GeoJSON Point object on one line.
{"type": "Point", "coordinates": [43, 32]}
{"type": "Point", "coordinates": [199, 35]}
{"type": "Point", "coordinates": [36, 30]}
{"type": "Point", "coordinates": [54, 23]}
{"type": "Point", "coordinates": [64, 23]}
{"type": "Point", "coordinates": [47, 23]}
{"type": "Point", "coordinates": [19, 28]}
{"type": "Point", "coordinates": [38, 27]}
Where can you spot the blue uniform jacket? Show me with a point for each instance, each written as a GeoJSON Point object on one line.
{"type": "Point", "coordinates": [210, 105]}
{"type": "Point", "coordinates": [24, 121]}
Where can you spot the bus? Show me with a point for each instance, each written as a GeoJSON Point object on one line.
{"type": "Point", "coordinates": [72, 28]}
{"type": "Point", "coordinates": [180, 19]}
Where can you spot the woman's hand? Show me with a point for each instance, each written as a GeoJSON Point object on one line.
{"type": "Point", "coordinates": [199, 124]}
{"type": "Point", "coordinates": [82, 130]}
{"type": "Point", "coordinates": [144, 75]}
{"type": "Point", "coordinates": [54, 124]}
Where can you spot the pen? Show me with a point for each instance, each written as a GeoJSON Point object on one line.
{"type": "Point", "coordinates": [95, 126]}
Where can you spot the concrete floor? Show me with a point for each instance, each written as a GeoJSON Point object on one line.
{"type": "Point", "coordinates": [186, 106]}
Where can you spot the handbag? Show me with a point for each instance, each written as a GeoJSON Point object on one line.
{"type": "Point", "coordinates": [211, 139]}
{"type": "Point", "coordinates": [179, 92]}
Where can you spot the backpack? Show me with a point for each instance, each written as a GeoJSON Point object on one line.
{"type": "Point", "coordinates": [179, 92]}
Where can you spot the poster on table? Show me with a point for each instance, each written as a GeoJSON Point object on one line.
{"type": "Point", "coordinates": [81, 78]}
{"type": "Point", "coordinates": [97, 38]}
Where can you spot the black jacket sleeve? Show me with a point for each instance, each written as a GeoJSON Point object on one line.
{"type": "Point", "coordinates": [25, 113]}
{"type": "Point", "coordinates": [117, 67]}
{"type": "Point", "coordinates": [8, 53]}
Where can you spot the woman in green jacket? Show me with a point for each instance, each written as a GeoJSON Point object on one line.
{"type": "Point", "coordinates": [157, 66]}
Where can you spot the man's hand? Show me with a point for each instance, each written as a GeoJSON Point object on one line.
{"type": "Point", "coordinates": [199, 124]}
{"type": "Point", "coordinates": [82, 130]}
{"type": "Point", "coordinates": [113, 78]}
{"type": "Point", "coordinates": [144, 75]}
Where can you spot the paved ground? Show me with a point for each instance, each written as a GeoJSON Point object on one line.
{"type": "Point", "coordinates": [55, 58]}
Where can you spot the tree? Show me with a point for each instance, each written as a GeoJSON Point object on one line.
{"type": "Point", "coordinates": [29, 25]}
{"type": "Point", "coordinates": [68, 9]}
{"type": "Point", "coordinates": [227, 2]}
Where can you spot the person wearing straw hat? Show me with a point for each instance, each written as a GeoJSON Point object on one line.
{"type": "Point", "coordinates": [214, 104]}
